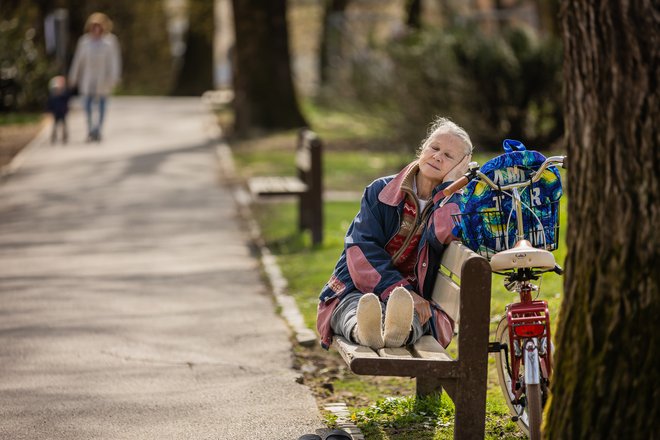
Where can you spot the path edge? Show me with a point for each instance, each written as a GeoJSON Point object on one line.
{"type": "Point", "coordinates": [288, 308]}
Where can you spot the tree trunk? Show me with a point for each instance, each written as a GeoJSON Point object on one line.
{"type": "Point", "coordinates": [414, 13]}
{"type": "Point", "coordinates": [331, 37]}
{"type": "Point", "coordinates": [264, 97]}
{"type": "Point", "coordinates": [196, 74]}
{"type": "Point", "coordinates": [605, 380]}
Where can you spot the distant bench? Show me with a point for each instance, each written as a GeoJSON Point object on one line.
{"type": "Point", "coordinates": [307, 186]}
{"type": "Point", "coordinates": [462, 289]}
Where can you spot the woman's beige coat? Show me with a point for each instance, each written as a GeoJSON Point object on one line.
{"type": "Point", "coordinates": [96, 66]}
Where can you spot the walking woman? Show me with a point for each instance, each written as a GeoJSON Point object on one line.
{"type": "Point", "coordinates": [96, 70]}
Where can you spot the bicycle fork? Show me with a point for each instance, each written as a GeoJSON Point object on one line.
{"type": "Point", "coordinates": [531, 360]}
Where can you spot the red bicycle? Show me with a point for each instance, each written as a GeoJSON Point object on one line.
{"type": "Point", "coordinates": [522, 346]}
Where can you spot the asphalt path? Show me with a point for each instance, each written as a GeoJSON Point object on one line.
{"type": "Point", "coordinates": [131, 305]}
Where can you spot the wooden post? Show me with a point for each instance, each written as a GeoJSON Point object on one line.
{"type": "Point", "coordinates": [470, 421]}
{"type": "Point", "coordinates": [310, 171]}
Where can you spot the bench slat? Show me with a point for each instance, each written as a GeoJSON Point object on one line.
{"type": "Point", "coordinates": [395, 352]}
{"type": "Point", "coordinates": [276, 185]}
{"type": "Point", "coordinates": [409, 367]}
{"type": "Point", "coordinates": [426, 357]}
{"type": "Point", "coordinates": [350, 351]}
{"type": "Point", "coordinates": [428, 348]}
{"type": "Point", "coordinates": [448, 296]}
{"type": "Point", "coordinates": [454, 257]}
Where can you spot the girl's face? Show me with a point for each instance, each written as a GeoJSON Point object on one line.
{"type": "Point", "coordinates": [443, 153]}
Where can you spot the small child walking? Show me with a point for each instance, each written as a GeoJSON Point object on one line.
{"type": "Point", "coordinates": [58, 106]}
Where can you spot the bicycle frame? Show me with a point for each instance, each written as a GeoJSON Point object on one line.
{"type": "Point", "coordinates": [528, 319]}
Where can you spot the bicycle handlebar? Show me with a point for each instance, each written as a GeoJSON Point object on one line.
{"type": "Point", "coordinates": [475, 172]}
{"type": "Point", "coordinates": [473, 169]}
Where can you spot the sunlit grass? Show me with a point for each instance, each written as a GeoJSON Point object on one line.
{"type": "Point", "coordinates": [348, 122]}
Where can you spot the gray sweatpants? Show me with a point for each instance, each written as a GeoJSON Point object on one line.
{"type": "Point", "coordinates": [344, 319]}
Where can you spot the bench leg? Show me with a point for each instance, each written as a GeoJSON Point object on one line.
{"type": "Point", "coordinates": [427, 385]}
{"type": "Point", "coordinates": [470, 419]}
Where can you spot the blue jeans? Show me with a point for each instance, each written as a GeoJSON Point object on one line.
{"type": "Point", "coordinates": [92, 128]}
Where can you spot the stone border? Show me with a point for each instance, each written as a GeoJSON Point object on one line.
{"type": "Point", "coordinates": [340, 410]}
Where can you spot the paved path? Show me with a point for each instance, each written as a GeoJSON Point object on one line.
{"type": "Point", "coordinates": [130, 304]}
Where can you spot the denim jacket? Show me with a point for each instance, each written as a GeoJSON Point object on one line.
{"type": "Point", "coordinates": [366, 266]}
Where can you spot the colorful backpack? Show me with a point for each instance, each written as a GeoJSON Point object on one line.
{"type": "Point", "coordinates": [487, 223]}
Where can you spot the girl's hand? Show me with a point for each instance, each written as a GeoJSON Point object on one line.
{"type": "Point", "coordinates": [422, 307]}
{"type": "Point", "coordinates": [458, 171]}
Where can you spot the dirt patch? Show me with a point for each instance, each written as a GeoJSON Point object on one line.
{"type": "Point", "coordinates": [321, 370]}
{"type": "Point", "coordinates": [14, 137]}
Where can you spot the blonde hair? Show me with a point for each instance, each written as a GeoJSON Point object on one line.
{"type": "Point", "coordinates": [101, 19]}
{"type": "Point", "coordinates": [442, 125]}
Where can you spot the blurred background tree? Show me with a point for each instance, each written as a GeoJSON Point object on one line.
{"type": "Point", "coordinates": [196, 73]}
{"type": "Point", "coordinates": [493, 65]}
{"type": "Point", "coordinates": [264, 96]}
{"type": "Point", "coordinates": [24, 69]}
{"type": "Point", "coordinates": [495, 73]}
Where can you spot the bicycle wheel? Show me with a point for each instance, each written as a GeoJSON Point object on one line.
{"type": "Point", "coordinates": [519, 411]}
{"type": "Point", "coordinates": [534, 410]}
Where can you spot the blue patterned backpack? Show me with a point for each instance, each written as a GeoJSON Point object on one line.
{"type": "Point", "coordinates": [487, 223]}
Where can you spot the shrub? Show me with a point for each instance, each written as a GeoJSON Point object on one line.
{"type": "Point", "coordinates": [24, 72]}
{"type": "Point", "coordinates": [496, 86]}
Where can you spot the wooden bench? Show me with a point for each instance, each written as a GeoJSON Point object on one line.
{"type": "Point", "coordinates": [462, 289]}
{"type": "Point", "coordinates": [307, 185]}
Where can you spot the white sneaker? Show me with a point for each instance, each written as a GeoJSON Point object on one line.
{"type": "Point", "coordinates": [369, 329]}
{"type": "Point", "coordinates": [398, 317]}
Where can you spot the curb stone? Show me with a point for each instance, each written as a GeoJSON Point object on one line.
{"type": "Point", "coordinates": [340, 410]}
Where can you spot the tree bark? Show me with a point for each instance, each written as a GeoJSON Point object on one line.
{"type": "Point", "coordinates": [264, 96]}
{"type": "Point", "coordinates": [605, 379]}
{"type": "Point", "coordinates": [331, 36]}
{"type": "Point", "coordinates": [196, 74]}
{"type": "Point", "coordinates": [414, 14]}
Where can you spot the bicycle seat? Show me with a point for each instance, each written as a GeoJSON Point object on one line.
{"type": "Point", "coordinates": [522, 255]}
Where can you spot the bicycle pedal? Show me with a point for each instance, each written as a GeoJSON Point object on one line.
{"type": "Point", "coordinates": [496, 347]}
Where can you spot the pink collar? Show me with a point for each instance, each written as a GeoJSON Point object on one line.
{"type": "Point", "coordinates": [395, 191]}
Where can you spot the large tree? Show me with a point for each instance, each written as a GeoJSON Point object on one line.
{"type": "Point", "coordinates": [264, 94]}
{"type": "Point", "coordinates": [605, 383]}
{"type": "Point", "coordinates": [332, 34]}
{"type": "Point", "coordinates": [196, 73]}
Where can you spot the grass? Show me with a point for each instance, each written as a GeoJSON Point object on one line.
{"type": "Point", "coordinates": [390, 413]}
{"type": "Point", "coordinates": [19, 118]}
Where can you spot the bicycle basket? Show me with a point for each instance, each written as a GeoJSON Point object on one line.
{"type": "Point", "coordinates": [487, 223]}
{"type": "Point", "coordinates": [492, 230]}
